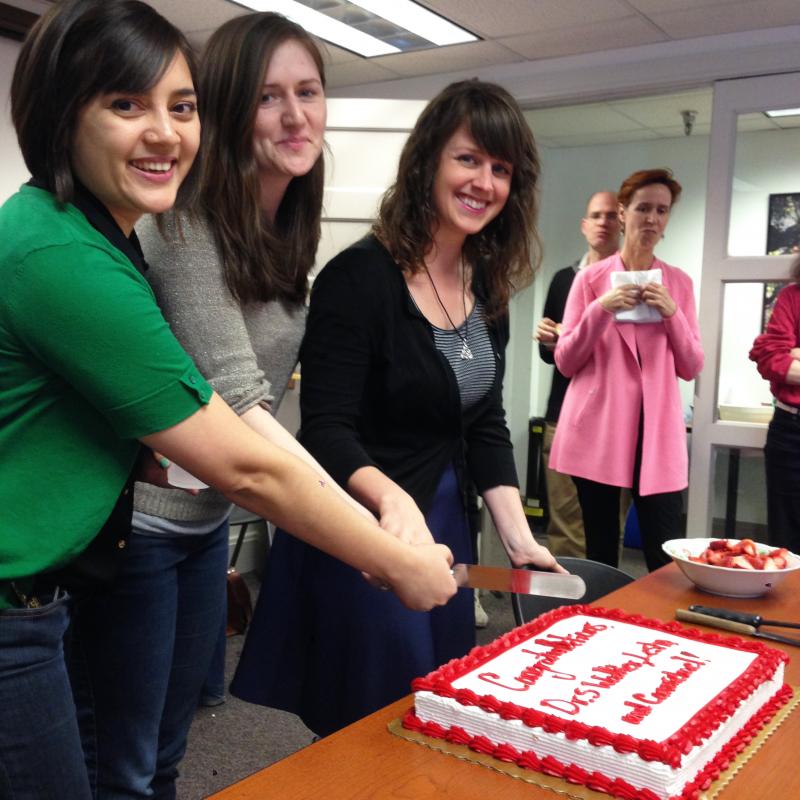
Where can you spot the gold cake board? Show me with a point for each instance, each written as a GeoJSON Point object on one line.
{"type": "Point", "coordinates": [561, 786]}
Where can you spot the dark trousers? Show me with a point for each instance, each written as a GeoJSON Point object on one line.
{"type": "Point", "coordinates": [782, 464]}
{"type": "Point", "coordinates": [660, 516]}
{"type": "Point", "coordinates": [660, 519]}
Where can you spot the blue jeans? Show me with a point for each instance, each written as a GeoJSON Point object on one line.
{"type": "Point", "coordinates": [40, 747]}
{"type": "Point", "coordinates": [139, 656]}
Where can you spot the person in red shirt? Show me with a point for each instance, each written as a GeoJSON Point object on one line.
{"type": "Point", "coordinates": [777, 356]}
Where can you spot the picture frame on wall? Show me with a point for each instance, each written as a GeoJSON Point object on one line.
{"type": "Point", "coordinates": [783, 227]}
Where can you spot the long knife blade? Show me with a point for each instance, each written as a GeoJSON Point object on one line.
{"type": "Point", "coordinates": [519, 581]}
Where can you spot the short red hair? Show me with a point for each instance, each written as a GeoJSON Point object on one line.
{"type": "Point", "coordinates": [647, 177]}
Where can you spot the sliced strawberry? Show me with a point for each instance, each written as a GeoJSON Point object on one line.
{"type": "Point", "coordinates": [757, 561]}
{"type": "Point", "coordinates": [718, 544]}
{"type": "Point", "coordinates": [741, 562]}
{"type": "Point", "coordinates": [748, 546]}
{"type": "Point", "coordinates": [716, 557]}
{"type": "Point", "coordinates": [770, 564]}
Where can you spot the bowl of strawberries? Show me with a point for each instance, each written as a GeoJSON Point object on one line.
{"type": "Point", "coordinates": [732, 567]}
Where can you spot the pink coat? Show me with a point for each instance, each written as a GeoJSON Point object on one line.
{"type": "Point", "coordinates": [598, 427]}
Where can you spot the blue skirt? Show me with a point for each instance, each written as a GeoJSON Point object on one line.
{"type": "Point", "coordinates": [327, 646]}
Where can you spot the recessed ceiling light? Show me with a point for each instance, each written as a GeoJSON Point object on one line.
{"type": "Point", "coordinates": [324, 26]}
{"type": "Point", "coordinates": [368, 27]}
{"type": "Point", "coordinates": [413, 17]}
{"type": "Point", "coordinates": [784, 112]}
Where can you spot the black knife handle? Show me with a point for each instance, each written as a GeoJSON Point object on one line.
{"type": "Point", "coordinates": [724, 613]}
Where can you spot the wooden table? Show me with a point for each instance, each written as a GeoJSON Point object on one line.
{"type": "Point", "coordinates": [365, 762]}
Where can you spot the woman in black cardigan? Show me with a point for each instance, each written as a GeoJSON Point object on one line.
{"type": "Point", "coordinates": [402, 403]}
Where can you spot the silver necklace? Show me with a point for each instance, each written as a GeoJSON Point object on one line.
{"type": "Point", "coordinates": [466, 352]}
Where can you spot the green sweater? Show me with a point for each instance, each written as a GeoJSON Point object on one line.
{"type": "Point", "coordinates": [87, 366]}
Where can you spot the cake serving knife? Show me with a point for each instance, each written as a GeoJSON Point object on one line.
{"type": "Point", "coordinates": [756, 620]}
{"type": "Point", "coordinates": [520, 581]}
{"type": "Point", "coordinates": [732, 626]}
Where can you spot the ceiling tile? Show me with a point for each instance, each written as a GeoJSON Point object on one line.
{"type": "Point", "coordinates": [728, 18]}
{"type": "Point", "coordinates": [587, 139]}
{"type": "Point", "coordinates": [677, 131]}
{"type": "Point", "coordinates": [664, 110]}
{"type": "Point", "coordinates": [338, 55]}
{"type": "Point", "coordinates": [206, 16]}
{"type": "Point", "coordinates": [755, 122]}
{"type": "Point", "coordinates": [595, 117]}
{"type": "Point", "coordinates": [455, 58]}
{"type": "Point", "coordinates": [651, 7]}
{"type": "Point", "coordinates": [519, 16]}
{"type": "Point", "coordinates": [354, 72]}
{"type": "Point", "coordinates": [609, 35]}
{"type": "Point", "coordinates": [788, 122]}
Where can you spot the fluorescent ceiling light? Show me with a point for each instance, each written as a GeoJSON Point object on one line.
{"type": "Point", "coordinates": [325, 27]}
{"type": "Point", "coordinates": [784, 112]}
{"type": "Point", "coordinates": [419, 20]}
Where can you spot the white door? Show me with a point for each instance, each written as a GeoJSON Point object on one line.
{"type": "Point", "coordinates": [753, 160]}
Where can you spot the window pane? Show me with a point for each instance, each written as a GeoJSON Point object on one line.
{"type": "Point", "coordinates": [766, 173]}
{"type": "Point", "coordinates": [743, 395]}
{"type": "Point", "coordinates": [740, 496]}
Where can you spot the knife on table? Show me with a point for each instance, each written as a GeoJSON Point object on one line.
{"type": "Point", "coordinates": [756, 620]}
{"type": "Point", "coordinates": [520, 581]}
{"type": "Point", "coordinates": [732, 626]}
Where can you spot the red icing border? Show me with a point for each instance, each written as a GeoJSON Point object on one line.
{"type": "Point", "coordinates": [596, 780]}
{"type": "Point", "coordinates": [671, 750]}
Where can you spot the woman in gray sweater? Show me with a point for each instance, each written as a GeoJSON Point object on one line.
{"type": "Point", "coordinates": [230, 274]}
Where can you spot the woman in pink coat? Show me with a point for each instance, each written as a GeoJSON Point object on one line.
{"type": "Point", "coordinates": [622, 421]}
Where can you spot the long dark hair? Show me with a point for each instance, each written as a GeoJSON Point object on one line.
{"type": "Point", "coordinates": [507, 250]}
{"type": "Point", "coordinates": [261, 261]}
{"type": "Point", "coordinates": [77, 50]}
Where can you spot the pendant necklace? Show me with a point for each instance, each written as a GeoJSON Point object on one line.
{"type": "Point", "coordinates": [466, 352]}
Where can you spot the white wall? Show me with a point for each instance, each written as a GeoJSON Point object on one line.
{"type": "Point", "coordinates": [570, 176]}
{"type": "Point", "coordinates": [766, 163]}
{"type": "Point", "coordinates": [14, 172]}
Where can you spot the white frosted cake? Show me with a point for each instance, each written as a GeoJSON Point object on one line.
{"type": "Point", "coordinates": [630, 706]}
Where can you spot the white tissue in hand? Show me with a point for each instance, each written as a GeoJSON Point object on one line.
{"type": "Point", "coordinates": [641, 312]}
{"type": "Point", "coordinates": [181, 479]}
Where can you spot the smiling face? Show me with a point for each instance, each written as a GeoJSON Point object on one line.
{"type": "Point", "coordinates": [646, 216]}
{"type": "Point", "coordinates": [133, 150]}
{"type": "Point", "coordinates": [290, 121]}
{"type": "Point", "coordinates": [470, 187]}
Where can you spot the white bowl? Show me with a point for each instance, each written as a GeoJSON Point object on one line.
{"type": "Point", "coordinates": [726, 581]}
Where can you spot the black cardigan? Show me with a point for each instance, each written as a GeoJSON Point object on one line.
{"type": "Point", "coordinates": [376, 392]}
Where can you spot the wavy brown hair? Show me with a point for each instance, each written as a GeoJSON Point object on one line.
{"type": "Point", "coordinates": [507, 251]}
{"type": "Point", "coordinates": [261, 261]}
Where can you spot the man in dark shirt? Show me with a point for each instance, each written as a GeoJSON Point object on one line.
{"type": "Point", "coordinates": [600, 227]}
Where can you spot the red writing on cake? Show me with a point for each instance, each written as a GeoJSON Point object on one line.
{"type": "Point", "coordinates": [554, 647]}
{"type": "Point", "coordinates": [603, 677]}
{"type": "Point", "coordinates": [669, 683]}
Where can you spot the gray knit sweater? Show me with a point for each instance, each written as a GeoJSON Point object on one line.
{"type": "Point", "coordinates": [246, 353]}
